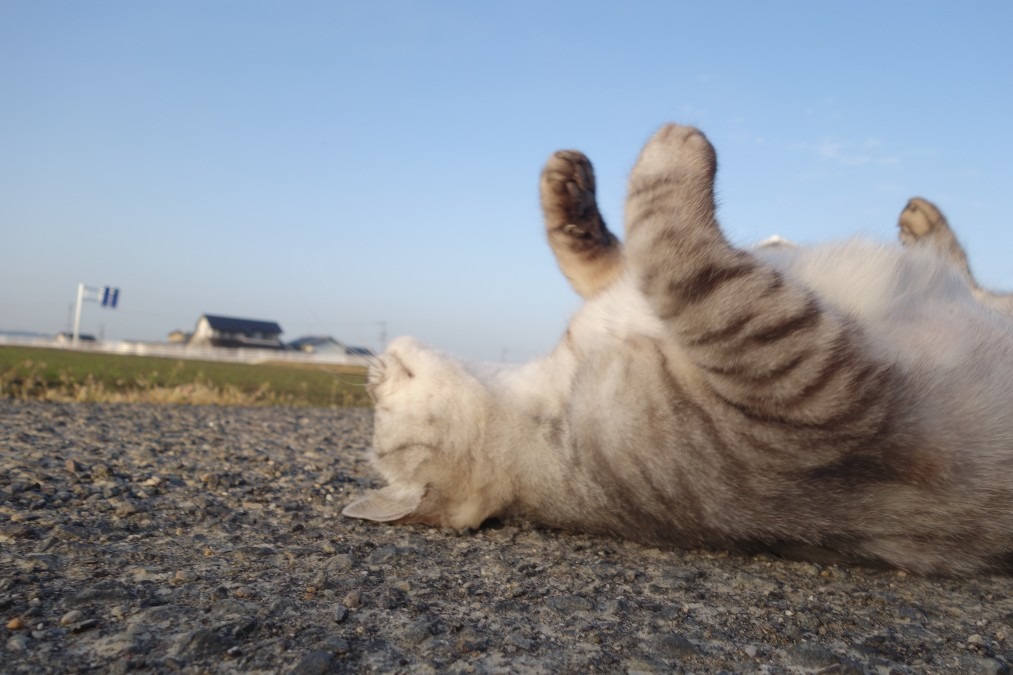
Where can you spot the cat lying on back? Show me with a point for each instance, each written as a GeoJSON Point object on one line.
{"type": "Point", "coordinates": [921, 223]}
{"type": "Point", "coordinates": [852, 398]}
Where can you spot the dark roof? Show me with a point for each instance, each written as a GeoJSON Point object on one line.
{"type": "Point", "coordinates": [312, 341]}
{"type": "Point", "coordinates": [82, 337]}
{"type": "Point", "coordinates": [230, 324]}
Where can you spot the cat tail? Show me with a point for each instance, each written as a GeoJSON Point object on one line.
{"type": "Point", "coordinates": [764, 345]}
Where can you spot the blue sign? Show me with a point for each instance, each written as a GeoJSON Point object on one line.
{"type": "Point", "coordinates": [110, 296]}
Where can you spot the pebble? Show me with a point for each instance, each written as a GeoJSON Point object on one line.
{"type": "Point", "coordinates": [675, 646]}
{"type": "Point", "coordinates": [125, 508]}
{"type": "Point", "coordinates": [339, 645]}
{"type": "Point", "coordinates": [82, 626]}
{"type": "Point", "coordinates": [341, 562]}
{"type": "Point", "coordinates": [17, 643]}
{"type": "Point", "coordinates": [979, 665]}
{"type": "Point", "coordinates": [419, 631]}
{"type": "Point", "coordinates": [183, 577]}
{"type": "Point", "coordinates": [315, 663]}
{"type": "Point", "coordinates": [199, 643]}
{"type": "Point", "coordinates": [470, 641]}
{"type": "Point", "coordinates": [73, 616]}
{"type": "Point", "coordinates": [569, 604]}
{"type": "Point", "coordinates": [352, 600]}
{"type": "Point", "coordinates": [518, 640]}
{"type": "Point", "coordinates": [385, 554]}
{"type": "Point", "coordinates": [809, 655]}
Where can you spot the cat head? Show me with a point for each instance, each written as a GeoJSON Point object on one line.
{"type": "Point", "coordinates": [429, 436]}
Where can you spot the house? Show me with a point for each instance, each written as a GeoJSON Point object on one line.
{"type": "Point", "coordinates": [178, 337]}
{"type": "Point", "coordinates": [66, 338]}
{"type": "Point", "coordinates": [327, 346]}
{"type": "Point", "coordinates": [226, 331]}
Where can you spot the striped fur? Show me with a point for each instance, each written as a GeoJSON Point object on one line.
{"type": "Point", "coordinates": [851, 399]}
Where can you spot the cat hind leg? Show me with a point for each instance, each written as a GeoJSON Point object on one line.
{"type": "Point", "coordinates": [765, 345]}
{"type": "Point", "coordinates": [674, 245]}
{"type": "Point", "coordinates": [922, 223]}
{"type": "Point", "coordinates": [588, 254]}
{"type": "Point", "coordinates": [919, 218]}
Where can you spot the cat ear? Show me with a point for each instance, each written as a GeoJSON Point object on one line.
{"type": "Point", "coordinates": [385, 505]}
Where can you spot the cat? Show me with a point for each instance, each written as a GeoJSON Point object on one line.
{"type": "Point", "coordinates": [921, 223]}
{"type": "Point", "coordinates": [851, 399]}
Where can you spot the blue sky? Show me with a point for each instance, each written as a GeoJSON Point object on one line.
{"type": "Point", "coordinates": [334, 165]}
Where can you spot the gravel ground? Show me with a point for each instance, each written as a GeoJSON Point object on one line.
{"type": "Point", "coordinates": [207, 539]}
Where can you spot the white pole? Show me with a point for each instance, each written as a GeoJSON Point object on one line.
{"type": "Point", "coordinates": [77, 313]}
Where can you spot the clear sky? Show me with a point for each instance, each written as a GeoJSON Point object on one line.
{"type": "Point", "coordinates": [333, 165]}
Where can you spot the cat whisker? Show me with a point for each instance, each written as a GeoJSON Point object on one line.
{"type": "Point", "coordinates": [350, 383]}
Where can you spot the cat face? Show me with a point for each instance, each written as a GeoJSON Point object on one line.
{"type": "Point", "coordinates": [430, 428]}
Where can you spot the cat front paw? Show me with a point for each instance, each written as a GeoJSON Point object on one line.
{"type": "Point", "coordinates": [567, 188]}
{"type": "Point", "coordinates": [587, 252]}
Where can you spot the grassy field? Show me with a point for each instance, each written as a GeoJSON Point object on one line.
{"type": "Point", "coordinates": [59, 375]}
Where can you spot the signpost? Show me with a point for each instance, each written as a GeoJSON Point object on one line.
{"type": "Point", "coordinates": [107, 296]}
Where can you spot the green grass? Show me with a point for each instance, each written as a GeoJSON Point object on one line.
{"type": "Point", "coordinates": [62, 375]}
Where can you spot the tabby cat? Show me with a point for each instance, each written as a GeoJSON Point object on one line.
{"type": "Point", "coordinates": [921, 223]}
{"type": "Point", "coordinates": [851, 399]}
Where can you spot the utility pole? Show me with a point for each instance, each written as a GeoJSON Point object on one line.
{"type": "Point", "coordinates": [77, 312]}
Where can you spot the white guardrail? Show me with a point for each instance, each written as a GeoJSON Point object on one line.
{"type": "Point", "coordinates": [172, 351]}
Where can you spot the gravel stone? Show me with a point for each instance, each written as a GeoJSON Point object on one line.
{"type": "Point", "coordinates": [340, 613]}
{"type": "Point", "coordinates": [570, 604]}
{"type": "Point", "coordinates": [17, 643]}
{"type": "Point", "coordinates": [209, 539]}
{"type": "Point", "coordinates": [82, 626]}
{"type": "Point", "coordinates": [199, 643]}
{"type": "Point", "coordinates": [519, 641]}
{"type": "Point", "coordinates": [73, 616]}
{"type": "Point", "coordinates": [421, 630]}
{"type": "Point", "coordinates": [809, 655]}
{"type": "Point", "coordinates": [315, 663]}
{"type": "Point", "coordinates": [353, 600]}
{"type": "Point", "coordinates": [978, 665]}
{"type": "Point", "coordinates": [675, 646]}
